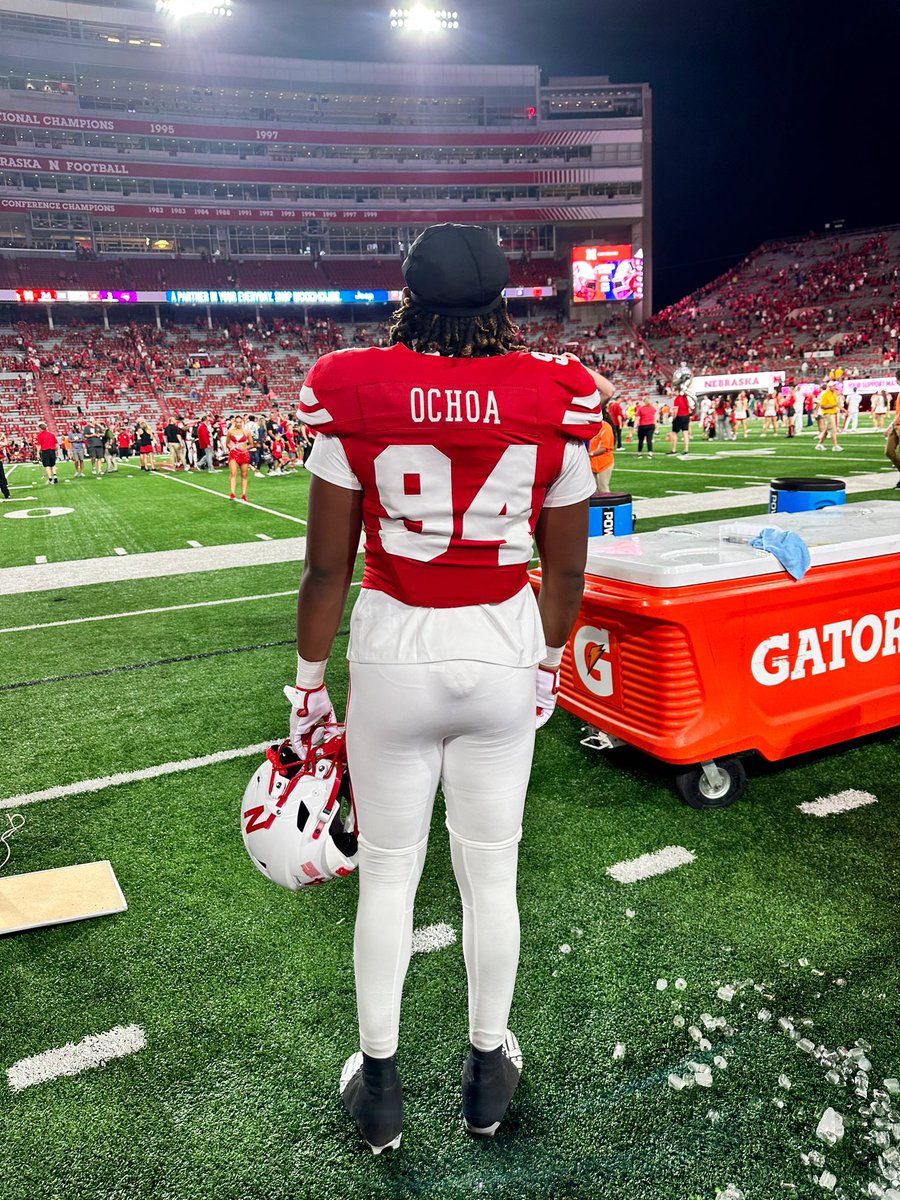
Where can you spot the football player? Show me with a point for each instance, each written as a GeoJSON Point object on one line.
{"type": "Point", "coordinates": [451, 449]}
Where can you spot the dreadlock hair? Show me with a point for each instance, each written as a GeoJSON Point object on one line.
{"type": "Point", "coordinates": [460, 337]}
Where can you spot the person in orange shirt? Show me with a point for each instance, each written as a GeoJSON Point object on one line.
{"type": "Point", "coordinates": [600, 452]}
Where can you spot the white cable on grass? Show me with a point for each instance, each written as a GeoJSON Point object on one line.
{"type": "Point", "coordinates": [16, 821]}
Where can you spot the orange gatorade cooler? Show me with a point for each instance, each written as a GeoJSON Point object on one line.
{"type": "Point", "coordinates": [695, 647]}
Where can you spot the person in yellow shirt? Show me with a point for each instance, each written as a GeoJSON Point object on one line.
{"type": "Point", "coordinates": [829, 403]}
{"type": "Point", "coordinates": [600, 451]}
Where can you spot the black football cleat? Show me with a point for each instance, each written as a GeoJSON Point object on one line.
{"type": "Point", "coordinates": [377, 1109]}
{"type": "Point", "coordinates": [488, 1083]}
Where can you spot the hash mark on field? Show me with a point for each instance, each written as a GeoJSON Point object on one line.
{"type": "Point", "coordinates": [120, 550]}
{"type": "Point", "coordinates": [648, 865]}
{"type": "Point", "coordinates": [96, 1050]}
{"type": "Point", "coordinates": [196, 545]}
{"type": "Point", "coordinates": [825, 806]}
{"type": "Point", "coordinates": [432, 937]}
{"type": "Point", "coordinates": [264, 537]}
{"type": "Point", "coordinates": [40, 558]}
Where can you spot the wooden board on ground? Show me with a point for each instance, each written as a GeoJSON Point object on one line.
{"type": "Point", "coordinates": [58, 896]}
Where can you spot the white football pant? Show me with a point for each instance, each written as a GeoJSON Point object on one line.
{"type": "Point", "coordinates": [469, 725]}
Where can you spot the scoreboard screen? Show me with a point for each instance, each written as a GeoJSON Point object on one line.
{"type": "Point", "coordinates": [607, 273]}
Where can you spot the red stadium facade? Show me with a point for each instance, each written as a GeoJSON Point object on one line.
{"type": "Point", "coordinates": [118, 142]}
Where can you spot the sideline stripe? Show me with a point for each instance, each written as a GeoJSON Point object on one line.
{"type": "Point", "coordinates": [222, 496]}
{"type": "Point", "coordinates": [96, 1050]}
{"type": "Point", "coordinates": [648, 865]}
{"type": "Point", "coordinates": [120, 550]}
{"type": "Point", "coordinates": [143, 666]}
{"type": "Point", "coordinates": [196, 545]}
{"type": "Point", "coordinates": [748, 497]}
{"type": "Point", "coordinates": [145, 612]}
{"type": "Point", "coordinates": [107, 781]}
{"type": "Point", "coordinates": [432, 937]}
{"type": "Point", "coordinates": [826, 806]}
{"type": "Point", "coordinates": [41, 558]}
{"type": "Point", "coordinates": [151, 565]}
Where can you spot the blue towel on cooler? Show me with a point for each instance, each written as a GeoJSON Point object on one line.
{"type": "Point", "coordinates": [789, 548]}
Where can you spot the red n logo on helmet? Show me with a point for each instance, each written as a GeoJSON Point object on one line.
{"type": "Point", "coordinates": [255, 824]}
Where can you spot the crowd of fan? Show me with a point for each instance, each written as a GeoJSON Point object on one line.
{"type": "Point", "coordinates": [784, 301]}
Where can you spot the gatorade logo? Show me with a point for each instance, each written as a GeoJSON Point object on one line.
{"type": "Point", "coordinates": [591, 654]}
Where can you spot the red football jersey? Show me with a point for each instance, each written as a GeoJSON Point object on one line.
{"type": "Point", "coordinates": [454, 456]}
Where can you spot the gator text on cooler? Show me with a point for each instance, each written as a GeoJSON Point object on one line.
{"type": "Point", "coordinates": [814, 651]}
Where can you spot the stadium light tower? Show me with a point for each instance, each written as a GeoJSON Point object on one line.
{"type": "Point", "coordinates": [421, 19]}
{"type": "Point", "coordinates": [179, 9]}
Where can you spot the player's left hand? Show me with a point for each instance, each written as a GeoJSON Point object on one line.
{"type": "Point", "coordinates": [309, 707]}
{"type": "Point", "coordinates": [547, 689]}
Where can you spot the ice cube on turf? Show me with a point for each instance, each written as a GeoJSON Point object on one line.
{"type": "Point", "coordinates": [831, 1127]}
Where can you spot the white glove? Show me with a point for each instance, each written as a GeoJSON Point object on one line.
{"type": "Point", "coordinates": [309, 706]}
{"type": "Point", "coordinates": [546, 692]}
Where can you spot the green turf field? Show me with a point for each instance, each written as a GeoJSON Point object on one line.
{"type": "Point", "coordinates": [244, 993]}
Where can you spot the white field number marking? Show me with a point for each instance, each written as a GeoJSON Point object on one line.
{"type": "Point", "coordinates": [35, 513]}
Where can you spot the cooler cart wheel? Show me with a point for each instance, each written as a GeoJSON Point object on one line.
{"type": "Point", "coordinates": [712, 784]}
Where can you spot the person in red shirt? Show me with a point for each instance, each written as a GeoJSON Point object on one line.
{"type": "Point", "coordinates": [47, 445]}
{"type": "Point", "coordinates": [204, 444]}
{"type": "Point", "coordinates": [645, 416]}
{"type": "Point", "coordinates": [451, 449]}
{"type": "Point", "coordinates": [615, 414]}
{"type": "Point", "coordinates": [681, 423]}
{"type": "Point", "coordinates": [277, 452]}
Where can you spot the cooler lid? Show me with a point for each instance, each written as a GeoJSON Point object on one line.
{"type": "Point", "coordinates": [715, 551]}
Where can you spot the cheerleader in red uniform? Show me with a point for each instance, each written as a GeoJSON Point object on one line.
{"type": "Point", "coordinates": [237, 443]}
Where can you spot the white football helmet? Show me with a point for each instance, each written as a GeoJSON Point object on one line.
{"type": "Point", "coordinates": [291, 813]}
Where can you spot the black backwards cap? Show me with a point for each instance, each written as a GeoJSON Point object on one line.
{"type": "Point", "coordinates": [456, 271]}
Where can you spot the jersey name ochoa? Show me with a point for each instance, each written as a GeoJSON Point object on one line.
{"type": "Point", "coordinates": [452, 405]}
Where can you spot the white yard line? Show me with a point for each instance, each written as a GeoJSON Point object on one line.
{"type": "Point", "coordinates": [120, 550]}
{"type": "Point", "coordinates": [196, 545]}
{"type": "Point", "coordinates": [826, 806]}
{"type": "Point", "coordinates": [108, 781]}
{"type": "Point", "coordinates": [146, 612]}
{"type": "Point", "coordinates": [16, 499]}
{"type": "Point", "coordinates": [96, 1050]}
{"type": "Point", "coordinates": [264, 537]}
{"type": "Point", "coordinates": [40, 558]}
{"type": "Point", "coordinates": [432, 937]}
{"type": "Point", "coordinates": [157, 563]}
{"type": "Point", "coordinates": [649, 865]}
{"type": "Point", "coordinates": [223, 496]}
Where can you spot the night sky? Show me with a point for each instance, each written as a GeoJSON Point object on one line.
{"type": "Point", "coordinates": [770, 118]}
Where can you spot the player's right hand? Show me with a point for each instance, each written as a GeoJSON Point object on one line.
{"type": "Point", "coordinates": [546, 692]}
